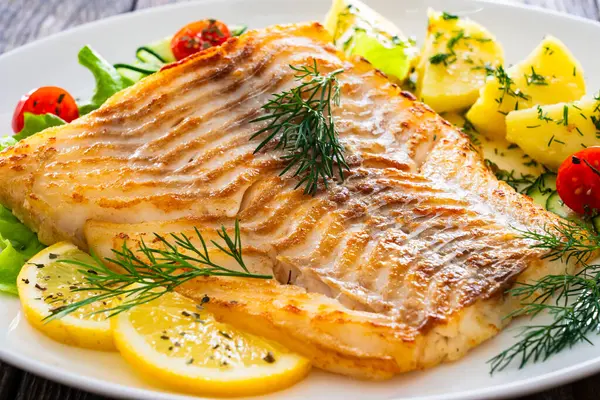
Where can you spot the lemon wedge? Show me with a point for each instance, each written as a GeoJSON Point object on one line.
{"type": "Point", "coordinates": [45, 284]}
{"type": "Point", "coordinates": [175, 343]}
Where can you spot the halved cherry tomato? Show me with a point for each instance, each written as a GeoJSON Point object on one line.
{"type": "Point", "coordinates": [44, 100]}
{"type": "Point", "coordinates": [578, 181]}
{"type": "Point", "coordinates": [198, 36]}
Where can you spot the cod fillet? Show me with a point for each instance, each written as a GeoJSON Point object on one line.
{"type": "Point", "coordinates": [400, 266]}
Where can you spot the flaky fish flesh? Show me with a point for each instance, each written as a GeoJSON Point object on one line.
{"type": "Point", "coordinates": [400, 266]}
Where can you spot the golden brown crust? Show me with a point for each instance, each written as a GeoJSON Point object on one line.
{"type": "Point", "coordinates": [418, 241]}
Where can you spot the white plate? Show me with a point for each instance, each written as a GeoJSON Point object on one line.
{"type": "Point", "coordinates": [53, 61]}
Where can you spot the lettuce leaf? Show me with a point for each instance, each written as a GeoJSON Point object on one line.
{"type": "Point", "coordinates": [17, 245]}
{"type": "Point", "coordinates": [6, 141]}
{"type": "Point", "coordinates": [37, 123]}
{"type": "Point", "coordinates": [108, 79]}
{"type": "Point", "coordinates": [11, 262]}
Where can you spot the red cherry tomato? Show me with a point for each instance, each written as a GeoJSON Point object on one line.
{"type": "Point", "coordinates": [578, 181]}
{"type": "Point", "coordinates": [198, 36]}
{"type": "Point", "coordinates": [44, 100]}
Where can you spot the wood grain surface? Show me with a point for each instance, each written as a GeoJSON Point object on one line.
{"type": "Point", "coordinates": [22, 21]}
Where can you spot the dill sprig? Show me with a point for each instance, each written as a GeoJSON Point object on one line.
{"type": "Point", "coordinates": [566, 241]}
{"type": "Point", "coordinates": [506, 86]}
{"type": "Point", "coordinates": [573, 301]}
{"type": "Point", "coordinates": [535, 78]}
{"type": "Point", "coordinates": [302, 125]}
{"type": "Point", "coordinates": [519, 182]}
{"type": "Point", "coordinates": [150, 272]}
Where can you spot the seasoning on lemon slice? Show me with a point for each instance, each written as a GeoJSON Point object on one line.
{"type": "Point", "coordinates": [45, 284]}
{"type": "Point", "coordinates": [174, 342]}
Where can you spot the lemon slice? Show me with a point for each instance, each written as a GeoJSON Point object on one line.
{"type": "Point", "coordinates": [45, 284]}
{"type": "Point", "coordinates": [174, 342]}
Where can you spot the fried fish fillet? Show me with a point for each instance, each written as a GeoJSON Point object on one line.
{"type": "Point", "coordinates": [400, 266]}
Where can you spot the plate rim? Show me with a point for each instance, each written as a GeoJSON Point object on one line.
{"type": "Point", "coordinates": [103, 387]}
{"type": "Point", "coordinates": [137, 13]}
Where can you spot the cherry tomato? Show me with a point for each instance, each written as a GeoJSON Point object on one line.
{"type": "Point", "coordinates": [198, 36]}
{"type": "Point", "coordinates": [578, 181]}
{"type": "Point", "coordinates": [47, 99]}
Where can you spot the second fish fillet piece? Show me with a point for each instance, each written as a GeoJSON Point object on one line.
{"type": "Point", "coordinates": [401, 266]}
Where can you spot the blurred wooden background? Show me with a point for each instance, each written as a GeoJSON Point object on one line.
{"type": "Point", "coordinates": [22, 21]}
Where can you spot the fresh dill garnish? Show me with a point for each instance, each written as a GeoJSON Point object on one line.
{"type": "Point", "coordinates": [446, 16]}
{"type": "Point", "coordinates": [469, 129]}
{"type": "Point", "coordinates": [453, 41]}
{"type": "Point", "coordinates": [301, 123]}
{"type": "Point", "coordinates": [573, 301]}
{"type": "Point", "coordinates": [596, 122]}
{"type": "Point", "coordinates": [440, 58]}
{"type": "Point", "coordinates": [535, 78]}
{"type": "Point", "coordinates": [450, 56]}
{"type": "Point", "coordinates": [518, 182]}
{"type": "Point", "coordinates": [531, 163]}
{"type": "Point", "coordinates": [487, 67]}
{"type": "Point", "coordinates": [565, 120]}
{"type": "Point", "coordinates": [148, 272]}
{"type": "Point", "coordinates": [506, 86]}
{"type": "Point", "coordinates": [543, 116]}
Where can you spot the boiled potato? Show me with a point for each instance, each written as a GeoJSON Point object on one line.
{"type": "Point", "coordinates": [504, 158]}
{"type": "Point", "coordinates": [550, 134]}
{"type": "Point", "coordinates": [456, 55]}
{"type": "Point", "coordinates": [549, 75]}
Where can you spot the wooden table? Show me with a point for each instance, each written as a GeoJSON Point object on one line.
{"type": "Point", "coordinates": [22, 21]}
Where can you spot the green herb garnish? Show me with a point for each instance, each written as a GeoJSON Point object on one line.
{"type": "Point", "coordinates": [440, 58]}
{"type": "Point", "coordinates": [506, 86]}
{"type": "Point", "coordinates": [543, 116]}
{"type": "Point", "coordinates": [147, 273]}
{"type": "Point", "coordinates": [447, 17]}
{"type": "Point", "coordinates": [572, 300]}
{"type": "Point", "coordinates": [302, 125]}
{"type": "Point", "coordinates": [535, 79]}
{"type": "Point", "coordinates": [518, 182]}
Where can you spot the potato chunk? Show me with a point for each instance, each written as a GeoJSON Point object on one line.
{"type": "Point", "coordinates": [549, 75]}
{"type": "Point", "coordinates": [550, 134]}
{"type": "Point", "coordinates": [453, 63]}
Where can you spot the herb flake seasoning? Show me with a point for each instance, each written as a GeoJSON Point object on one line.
{"type": "Point", "coordinates": [440, 58]}
{"type": "Point", "coordinates": [535, 79]}
{"type": "Point", "coordinates": [447, 16]}
{"type": "Point", "coordinates": [269, 358]}
{"type": "Point", "coordinates": [225, 334]}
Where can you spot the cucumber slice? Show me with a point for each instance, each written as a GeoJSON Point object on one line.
{"type": "Point", "coordinates": [542, 188]}
{"type": "Point", "coordinates": [556, 205]}
{"type": "Point", "coordinates": [596, 223]}
{"type": "Point", "coordinates": [158, 53]}
{"type": "Point", "coordinates": [150, 58]}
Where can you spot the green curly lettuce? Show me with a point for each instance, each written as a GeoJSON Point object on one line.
{"type": "Point", "coordinates": [108, 80]}
{"type": "Point", "coordinates": [37, 123]}
{"type": "Point", "coordinates": [17, 245]}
